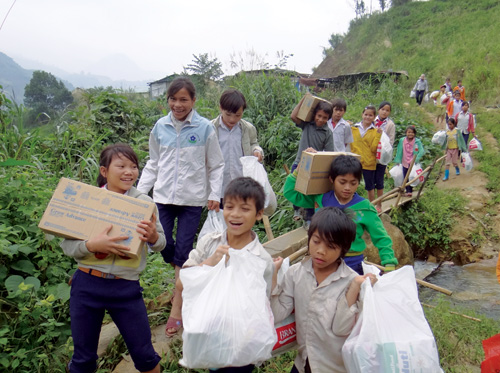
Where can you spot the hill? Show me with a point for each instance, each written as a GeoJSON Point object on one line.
{"type": "Point", "coordinates": [441, 38]}
{"type": "Point", "coordinates": [13, 78]}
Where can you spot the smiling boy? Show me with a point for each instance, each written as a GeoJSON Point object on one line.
{"type": "Point", "coordinates": [243, 206]}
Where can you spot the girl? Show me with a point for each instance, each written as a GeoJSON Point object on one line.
{"type": "Point", "coordinates": [383, 121]}
{"type": "Point", "coordinates": [186, 169]}
{"type": "Point", "coordinates": [108, 280]}
{"type": "Point", "coordinates": [324, 291]}
{"type": "Point", "coordinates": [454, 143]}
{"type": "Point", "coordinates": [465, 122]}
{"type": "Point", "coordinates": [408, 147]}
{"type": "Point", "coordinates": [345, 174]}
{"type": "Point", "coordinates": [366, 138]}
{"type": "Point", "coordinates": [440, 101]}
{"type": "Point", "coordinates": [316, 136]}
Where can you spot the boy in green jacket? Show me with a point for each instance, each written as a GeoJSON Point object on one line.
{"type": "Point", "coordinates": [345, 174]}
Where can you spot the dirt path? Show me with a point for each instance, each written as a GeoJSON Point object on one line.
{"type": "Point", "coordinates": [478, 217]}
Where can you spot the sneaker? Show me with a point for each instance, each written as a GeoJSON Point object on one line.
{"type": "Point", "coordinates": [297, 215]}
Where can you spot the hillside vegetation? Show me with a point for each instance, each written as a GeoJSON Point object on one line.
{"type": "Point", "coordinates": [441, 38]}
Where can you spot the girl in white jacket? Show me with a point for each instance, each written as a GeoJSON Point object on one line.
{"type": "Point", "coordinates": [185, 170]}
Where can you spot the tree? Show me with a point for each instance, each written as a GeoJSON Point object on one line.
{"type": "Point", "coordinates": [334, 41]}
{"type": "Point", "coordinates": [44, 94]}
{"type": "Point", "coordinates": [208, 68]}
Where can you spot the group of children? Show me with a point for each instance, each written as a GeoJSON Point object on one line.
{"type": "Point", "coordinates": [194, 163]}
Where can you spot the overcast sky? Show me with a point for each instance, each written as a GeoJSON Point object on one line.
{"type": "Point", "coordinates": [159, 37]}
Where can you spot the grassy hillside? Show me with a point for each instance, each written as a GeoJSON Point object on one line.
{"type": "Point", "coordinates": [13, 78]}
{"type": "Point", "coordinates": [441, 38]}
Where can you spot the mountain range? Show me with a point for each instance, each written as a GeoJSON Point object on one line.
{"type": "Point", "coordinates": [14, 77]}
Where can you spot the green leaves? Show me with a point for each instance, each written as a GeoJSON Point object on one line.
{"type": "Point", "coordinates": [15, 284]}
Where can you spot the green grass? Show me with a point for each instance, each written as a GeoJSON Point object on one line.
{"type": "Point", "coordinates": [456, 39]}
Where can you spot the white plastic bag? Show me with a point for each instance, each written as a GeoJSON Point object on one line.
{"type": "Point", "coordinates": [254, 169]}
{"type": "Point", "coordinates": [226, 313]}
{"type": "Point", "coordinates": [439, 138]}
{"type": "Point", "coordinates": [475, 144]}
{"type": "Point", "coordinates": [391, 333]}
{"type": "Point", "coordinates": [413, 94]}
{"type": "Point", "coordinates": [426, 98]}
{"type": "Point", "coordinates": [397, 175]}
{"type": "Point", "coordinates": [214, 223]}
{"type": "Point", "coordinates": [416, 171]}
{"type": "Point", "coordinates": [384, 150]}
{"type": "Point", "coordinates": [466, 161]}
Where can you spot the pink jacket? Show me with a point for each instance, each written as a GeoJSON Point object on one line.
{"type": "Point", "coordinates": [470, 126]}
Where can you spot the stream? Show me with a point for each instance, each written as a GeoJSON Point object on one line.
{"type": "Point", "coordinates": [474, 285]}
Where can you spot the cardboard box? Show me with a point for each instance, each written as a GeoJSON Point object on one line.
{"type": "Point", "coordinates": [79, 211]}
{"type": "Point", "coordinates": [306, 110]}
{"type": "Point", "coordinates": [313, 170]}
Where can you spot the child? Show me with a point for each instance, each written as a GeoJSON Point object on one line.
{"type": "Point", "coordinates": [408, 147]}
{"type": "Point", "coordinates": [107, 279]}
{"type": "Point", "coordinates": [465, 122]}
{"type": "Point", "coordinates": [315, 137]}
{"type": "Point", "coordinates": [237, 137]}
{"type": "Point", "coordinates": [341, 129]}
{"type": "Point", "coordinates": [454, 143]}
{"type": "Point", "coordinates": [366, 138]}
{"type": "Point", "coordinates": [324, 291]}
{"type": "Point", "coordinates": [243, 206]}
{"type": "Point", "coordinates": [459, 87]}
{"type": "Point", "coordinates": [185, 167]}
{"type": "Point", "coordinates": [454, 106]}
{"type": "Point", "coordinates": [440, 104]}
{"type": "Point", "coordinates": [383, 121]}
{"type": "Point", "coordinates": [345, 174]}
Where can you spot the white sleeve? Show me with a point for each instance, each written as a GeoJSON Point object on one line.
{"type": "Point", "coordinates": [150, 171]}
{"type": "Point", "coordinates": [215, 167]}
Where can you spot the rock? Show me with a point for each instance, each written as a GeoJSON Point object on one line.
{"type": "Point", "coordinates": [432, 259]}
{"type": "Point", "coordinates": [402, 250]}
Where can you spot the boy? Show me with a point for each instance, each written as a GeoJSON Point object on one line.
{"type": "Point", "coordinates": [345, 174]}
{"type": "Point", "coordinates": [454, 106]}
{"type": "Point", "coordinates": [243, 206]}
{"type": "Point", "coordinates": [315, 137]}
{"type": "Point", "coordinates": [341, 129]}
{"type": "Point", "coordinates": [237, 137]}
{"type": "Point", "coordinates": [460, 88]}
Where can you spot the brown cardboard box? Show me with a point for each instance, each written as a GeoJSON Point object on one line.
{"type": "Point", "coordinates": [307, 108]}
{"type": "Point", "coordinates": [79, 211]}
{"type": "Point", "coordinates": [313, 170]}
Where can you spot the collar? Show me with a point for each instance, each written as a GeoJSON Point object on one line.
{"type": "Point", "coordinates": [252, 247]}
{"type": "Point", "coordinates": [223, 125]}
{"type": "Point", "coordinates": [342, 271]}
{"type": "Point", "coordinates": [105, 186]}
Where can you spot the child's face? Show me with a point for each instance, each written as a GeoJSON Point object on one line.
{"type": "Point", "coordinates": [324, 254]}
{"type": "Point", "coordinates": [368, 117]}
{"type": "Point", "coordinates": [240, 215]}
{"type": "Point", "coordinates": [457, 96]}
{"type": "Point", "coordinates": [344, 187]}
{"type": "Point", "coordinates": [231, 119]}
{"type": "Point", "coordinates": [121, 174]}
{"type": "Point", "coordinates": [338, 113]}
{"type": "Point", "coordinates": [465, 108]}
{"type": "Point", "coordinates": [320, 118]}
{"type": "Point", "coordinates": [181, 104]}
{"type": "Point", "coordinates": [410, 135]}
{"type": "Point", "coordinates": [451, 125]}
{"type": "Point", "coordinates": [384, 112]}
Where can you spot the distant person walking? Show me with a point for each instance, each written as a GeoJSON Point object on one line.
{"type": "Point", "coordinates": [420, 88]}
{"type": "Point", "coordinates": [461, 89]}
{"type": "Point", "coordinates": [447, 84]}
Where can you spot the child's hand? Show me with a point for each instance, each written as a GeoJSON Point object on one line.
{"type": "Point", "coordinates": [217, 255]}
{"type": "Point", "coordinates": [311, 150]}
{"type": "Point", "coordinates": [380, 130]}
{"type": "Point", "coordinates": [102, 243]}
{"type": "Point", "coordinates": [147, 230]}
{"type": "Point", "coordinates": [277, 263]}
{"type": "Point", "coordinates": [257, 154]}
{"type": "Point", "coordinates": [358, 280]}
{"type": "Point", "coordinates": [213, 205]}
